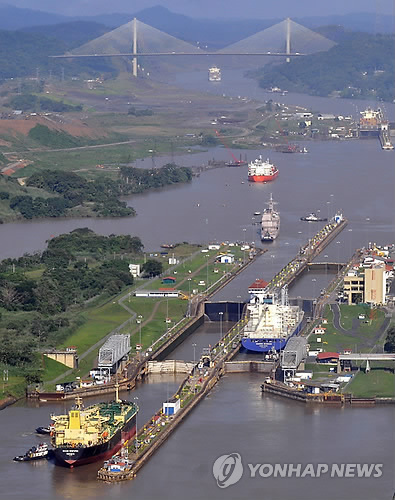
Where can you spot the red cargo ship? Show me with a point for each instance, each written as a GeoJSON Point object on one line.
{"type": "Point", "coordinates": [261, 171]}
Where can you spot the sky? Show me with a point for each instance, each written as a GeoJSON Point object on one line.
{"type": "Point", "coordinates": [263, 9]}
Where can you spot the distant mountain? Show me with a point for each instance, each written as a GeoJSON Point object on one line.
{"type": "Point", "coordinates": [73, 33]}
{"type": "Point", "coordinates": [14, 18]}
{"type": "Point", "coordinates": [27, 53]}
{"type": "Point", "coordinates": [214, 32]}
{"type": "Point", "coordinates": [359, 21]}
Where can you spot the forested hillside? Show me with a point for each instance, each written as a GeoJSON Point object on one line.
{"type": "Point", "coordinates": [361, 66]}
{"type": "Point", "coordinates": [22, 53]}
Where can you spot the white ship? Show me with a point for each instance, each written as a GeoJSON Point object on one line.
{"type": "Point", "coordinates": [270, 223]}
{"type": "Point", "coordinates": [271, 322]}
{"type": "Point", "coordinates": [214, 74]}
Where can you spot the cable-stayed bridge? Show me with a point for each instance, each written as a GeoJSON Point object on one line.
{"type": "Point", "coordinates": [136, 39]}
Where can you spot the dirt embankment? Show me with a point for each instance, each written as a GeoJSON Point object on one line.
{"type": "Point", "coordinates": [74, 127]}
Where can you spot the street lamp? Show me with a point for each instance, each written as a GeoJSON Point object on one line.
{"type": "Point", "coordinates": [139, 321]}
{"type": "Point", "coordinates": [220, 324]}
{"type": "Point", "coordinates": [313, 281]}
{"type": "Point", "coordinates": [136, 440]}
{"type": "Point", "coordinates": [350, 231]}
{"type": "Point", "coordinates": [189, 298]}
{"type": "Point", "coordinates": [326, 268]}
{"type": "Point", "coordinates": [338, 255]}
{"type": "Point", "coordinates": [207, 257]}
{"type": "Point", "coordinates": [194, 365]}
{"type": "Point", "coordinates": [238, 317]}
{"type": "Point", "coordinates": [244, 234]}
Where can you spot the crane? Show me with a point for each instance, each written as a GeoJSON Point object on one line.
{"type": "Point", "coordinates": [235, 162]}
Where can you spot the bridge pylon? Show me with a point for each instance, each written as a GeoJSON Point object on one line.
{"type": "Point", "coordinates": [134, 60]}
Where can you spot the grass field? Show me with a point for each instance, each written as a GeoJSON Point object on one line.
{"type": "Point", "coordinates": [99, 322]}
{"type": "Point", "coordinates": [363, 340]}
{"type": "Point", "coordinates": [377, 382]}
{"type": "Point", "coordinates": [52, 368]}
{"type": "Point", "coordinates": [11, 382]}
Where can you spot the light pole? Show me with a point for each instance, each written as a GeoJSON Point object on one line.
{"type": "Point", "coordinates": [194, 365]}
{"type": "Point", "coordinates": [338, 255]}
{"type": "Point", "coordinates": [326, 268]}
{"type": "Point", "coordinates": [220, 324]}
{"type": "Point", "coordinates": [314, 281]}
{"type": "Point", "coordinates": [350, 231]}
{"type": "Point", "coordinates": [136, 440]}
{"type": "Point", "coordinates": [314, 301]}
{"type": "Point", "coordinates": [207, 284]}
{"type": "Point", "coordinates": [189, 298]}
{"type": "Point", "coordinates": [139, 321]}
{"type": "Point", "coordinates": [238, 317]}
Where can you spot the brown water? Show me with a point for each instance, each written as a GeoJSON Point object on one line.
{"type": "Point", "coordinates": [235, 417]}
{"type": "Point", "coordinates": [355, 176]}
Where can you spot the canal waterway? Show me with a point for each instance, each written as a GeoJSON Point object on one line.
{"type": "Point", "coordinates": [235, 417]}
{"type": "Point", "coordinates": [219, 205]}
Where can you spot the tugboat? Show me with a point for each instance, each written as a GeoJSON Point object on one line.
{"type": "Point", "coordinates": [44, 430]}
{"type": "Point", "coordinates": [313, 218]}
{"type": "Point", "coordinates": [34, 453]}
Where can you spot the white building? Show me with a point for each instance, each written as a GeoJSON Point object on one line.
{"type": "Point", "coordinates": [227, 259]}
{"type": "Point", "coordinates": [135, 270]}
{"type": "Point", "coordinates": [171, 407]}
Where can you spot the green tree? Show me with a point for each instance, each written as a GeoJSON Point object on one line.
{"type": "Point", "coordinates": [389, 345]}
{"type": "Point", "coordinates": [152, 268]}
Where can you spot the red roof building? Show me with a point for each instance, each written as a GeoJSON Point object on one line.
{"type": "Point", "coordinates": [257, 286]}
{"type": "Point", "coordinates": [327, 357]}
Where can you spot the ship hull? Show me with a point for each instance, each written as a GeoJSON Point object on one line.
{"type": "Point", "coordinates": [262, 178]}
{"type": "Point", "coordinates": [264, 345]}
{"type": "Point", "coordinates": [74, 457]}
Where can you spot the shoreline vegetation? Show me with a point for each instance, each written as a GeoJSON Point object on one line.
{"type": "Point", "coordinates": [67, 194]}
{"type": "Point", "coordinates": [79, 290]}
{"type": "Point", "coordinates": [360, 66]}
{"type": "Point", "coordinates": [43, 296]}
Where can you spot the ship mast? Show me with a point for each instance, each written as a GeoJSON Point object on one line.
{"type": "Point", "coordinates": [117, 400]}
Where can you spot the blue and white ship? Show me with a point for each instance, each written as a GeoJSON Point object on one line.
{"type": "Point", "coordinates": [271, 321]}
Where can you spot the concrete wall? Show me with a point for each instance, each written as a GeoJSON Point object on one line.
{"type": "Point", "coordinates": [69, 359]}
{"type": "Point", "coordinates": [249, 366]}
{"type": "Point", "coordinates": [169, 366]}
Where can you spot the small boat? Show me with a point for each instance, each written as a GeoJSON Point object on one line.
{"type": "Point", "coordinates": [34, 453]}
{"type": "Point", "coordinates": [304, 150]}
{"type": "Point", "coordinates": [257, 213]}
{"type": "Point", "coordinates": [43, 430]}
{"type": "Point", "coordinates": [313, 218]}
